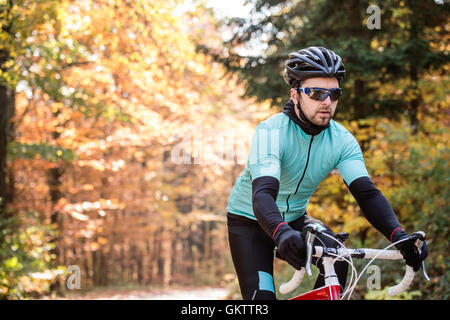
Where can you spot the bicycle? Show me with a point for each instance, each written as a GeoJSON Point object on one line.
{"type": "Point", "coordinates": [332, 290]}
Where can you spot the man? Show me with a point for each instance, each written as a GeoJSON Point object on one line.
{"type": "Point", "coordinates": [290, 154]}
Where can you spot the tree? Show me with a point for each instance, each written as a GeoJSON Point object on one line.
{"type": "Point", "coordinates": [409, 44]}
{"type": "Point", "coordinates": [105, 137]}
{"type": "Point", "coordinates": [20, 22]}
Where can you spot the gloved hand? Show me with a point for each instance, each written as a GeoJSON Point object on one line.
{"type": "Point", "coordinates": [409, 250]}
{"type": "Point", "coordinates": [290, 246]}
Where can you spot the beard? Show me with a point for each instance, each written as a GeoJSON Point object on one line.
{"type": "Point", "coordinates": [321, 117]}
{"type": "Point", "coordinates": [313, 128]}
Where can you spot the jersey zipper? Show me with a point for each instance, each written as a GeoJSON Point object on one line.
{"type": "Point", "coordinates": [301, 179]}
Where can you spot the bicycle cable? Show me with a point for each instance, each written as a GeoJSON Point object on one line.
{"type": "Point", "coordinates": [371, 261]}
{"type": "Point", "coordinates": [354, 273]}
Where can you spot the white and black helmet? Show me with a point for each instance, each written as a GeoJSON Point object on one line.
{"type": "Point", "coordinates": [312, 62]}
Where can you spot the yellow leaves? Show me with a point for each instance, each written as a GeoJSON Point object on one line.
{"type": "Point", "coordinates": [4, 37]}
{"type": "Point", "coordinates": [57, 106]}
{"type": "Point", "coordinates": [8, 64]}
{"type": "Point", "coordinates": [441, 146]}
{"type": "Point", "coordinates": [96, 245]}
{"type": "Point", "coordinates": [355, 224]}
{"type": "Point", "coordinates": [135, 57]}
{"type": "Point", "coordinates": [102, 240]}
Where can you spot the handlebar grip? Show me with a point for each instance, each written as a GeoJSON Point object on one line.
{"type": "Point", "coordinates": [404, 284]}
{"type": "Point", "coordinates": [295, 281]}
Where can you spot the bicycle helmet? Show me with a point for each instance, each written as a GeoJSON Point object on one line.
{"type": "Point", "coordinates": [312, 62]}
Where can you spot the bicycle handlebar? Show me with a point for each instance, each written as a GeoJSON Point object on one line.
{"type": "Point", "coordinates": [320, 251]}
{"type": "Point", "coordinates": [295, 281]}
{"type": "Point", "coordinates": [404, 284]}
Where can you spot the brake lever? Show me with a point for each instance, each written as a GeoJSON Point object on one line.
{"type": "Point", "coordinates": [425, 271]}
{"type": "Point", "coordinates": [419, 243]}
{"type": "Point", "coordinates": [309, 242]}
{"type": "Point", "coordinates": [311, 230]}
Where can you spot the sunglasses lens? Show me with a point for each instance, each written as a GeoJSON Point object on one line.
{"type": "Point", "coordinates": [318, 94]}
{"type": "Point", "coordinates": [321, 94]}
{"type": "Point", "coordinates": [335, 94]}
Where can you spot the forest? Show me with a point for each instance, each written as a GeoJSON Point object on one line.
{"type": "Point", "coordinates": [124, 125]}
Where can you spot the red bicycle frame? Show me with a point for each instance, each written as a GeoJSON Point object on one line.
{"type": "Point", "coordinates": [331, 290]}
{"type": "Point", "coordinates": [324, 293]}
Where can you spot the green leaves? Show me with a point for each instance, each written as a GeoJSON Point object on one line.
{"type": "Point", "coordinates": [13, 263]}
{"type": "Point", "coordinates": [17, 150]}
{"type": "Point", "coordinates": [23, 251]}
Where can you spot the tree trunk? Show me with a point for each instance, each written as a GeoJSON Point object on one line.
{"type": "Point", "coordinates": [150, 263]}
{"type": "Point", "coordinates": [95, 275]}
{"type": "Point", "coordinates": [140, 267]}
{"type": "Point", "coordinates": [123, 266]}
{"type": "Point", "coordinates": [54, 184]}
{"type": "Point", "coordinates": [54, 177]}
{"type": "Point", "coordinates": [7, 128]}
{"type": "Point", "coordinates": [207, 249]}
{"type": "Point", "coordinates": [7, 135]}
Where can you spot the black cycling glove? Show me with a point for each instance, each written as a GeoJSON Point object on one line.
{"type": "Point", "coordinates": [409, 250]}
{"type": "Point", "coordinates": [290, 245]}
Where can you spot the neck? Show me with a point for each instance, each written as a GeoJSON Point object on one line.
{"type": "Point", "coordinates": [307, 126]}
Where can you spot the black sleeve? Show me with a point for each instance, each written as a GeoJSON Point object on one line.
{"type": "Point", "coordinates": [264, 194]}
{"type": "Point", "coordinates": [375, 206]}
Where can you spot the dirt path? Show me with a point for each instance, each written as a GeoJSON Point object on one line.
{"type": "Point", "coordinates": [207, 293]}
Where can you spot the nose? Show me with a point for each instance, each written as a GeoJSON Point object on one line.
{"type": "Point", "coordinates": [327, 101]}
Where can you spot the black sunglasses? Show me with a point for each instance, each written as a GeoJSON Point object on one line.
{"type": "Point", "coordinates": [321, 94]}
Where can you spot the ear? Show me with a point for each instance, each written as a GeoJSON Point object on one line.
{"type": "Point", "coordinates": [294, 95]}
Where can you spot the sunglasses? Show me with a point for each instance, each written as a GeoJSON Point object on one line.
{"type": "Point", "coordinates": [321, 94]}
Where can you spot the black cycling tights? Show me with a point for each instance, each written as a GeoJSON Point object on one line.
{"type": "Point", "coordinates": [252, 251]}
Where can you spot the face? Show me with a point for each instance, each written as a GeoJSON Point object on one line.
{"type": "Point", "coordinates": [318, 112]}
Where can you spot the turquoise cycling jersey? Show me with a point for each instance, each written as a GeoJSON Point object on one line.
{"type": "Point", "coordinates": [281, 149]}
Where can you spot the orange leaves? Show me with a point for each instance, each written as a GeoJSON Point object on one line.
{"type": "Point", "coordinates": [140, 61]}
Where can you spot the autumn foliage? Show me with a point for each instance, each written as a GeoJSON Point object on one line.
{"type": "Point", "coordinates": [123, 141]}
{"type": "Point", "coordinates": [102, 147]}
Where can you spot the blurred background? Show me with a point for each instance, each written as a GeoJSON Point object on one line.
{"type": "Point", "coordinates": [125, 123]}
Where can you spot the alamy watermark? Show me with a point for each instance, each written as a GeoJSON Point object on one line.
{"type": "Point", "coordinates": [374, 280]}
{"type": "Point", "coordinates": [209, 147]}
{"type": "Point", "coordinates": [374, 20]}
{"type": "Point", "coordinates": [74, 280]}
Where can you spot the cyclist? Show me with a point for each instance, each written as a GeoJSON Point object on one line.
{"type": "Point", "coordinates": [290, 154]}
